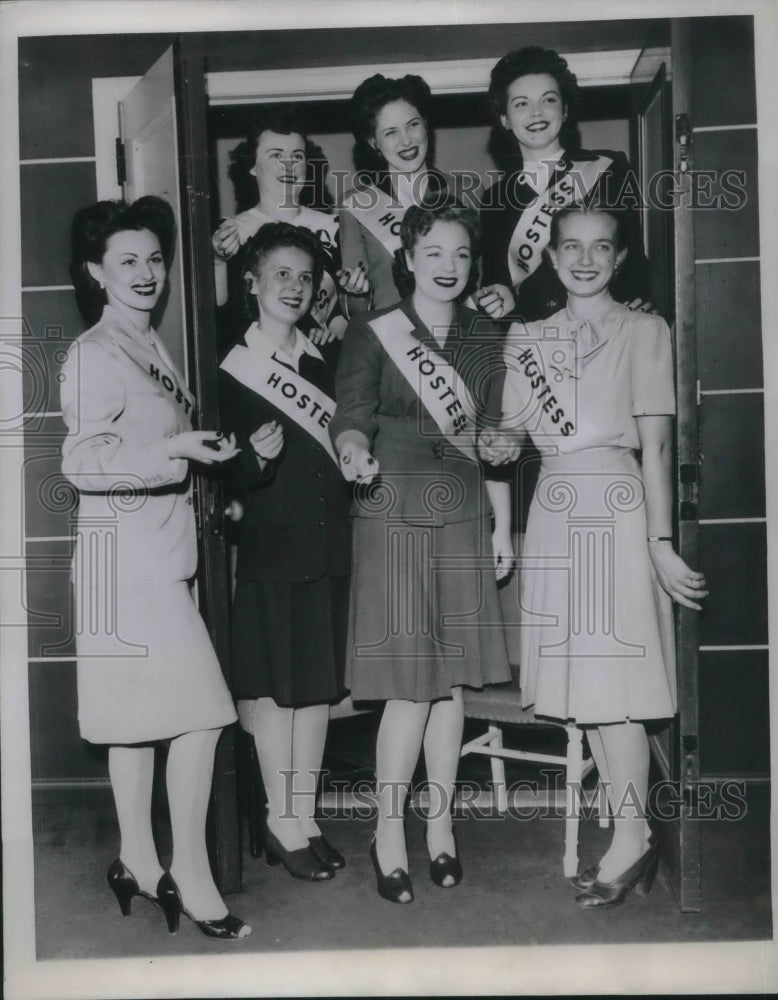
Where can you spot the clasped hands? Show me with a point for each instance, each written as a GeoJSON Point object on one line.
{"type": "Point", "coordinates": [498, 447]}
{"type": "Point", "coordinates": [357, 464]}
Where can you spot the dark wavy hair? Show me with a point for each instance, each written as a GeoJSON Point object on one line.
{"type": "Point", "coordinates": [522, 62]}
{"type": "Point", "coordinates": [417, 222]}
{"type": "Point", "coordinates": [270, 237]}
{"type": "Point", "coordinates": [95, 224]}
{"type": "Point", "coordinates": [366, 103]}
{"type": "Point", "coordinates": [283, 119]}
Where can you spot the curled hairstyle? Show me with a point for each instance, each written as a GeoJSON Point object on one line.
{"type": "Point", "coordinates": [418, 221]}
{"type": "Point", "coordinates": [523, 62]}
{"type": "Point", "coordinates": [95, 224]}
{"type": "Point", "coordinates": [570, 211]}
{"type": "Point", "coordinates": [366, 103]}
{"type": "Point", "coordinates": [284, 119]}
{"type": "Point", "coordinates": [272, 236]}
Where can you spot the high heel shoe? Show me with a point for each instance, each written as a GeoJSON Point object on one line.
{"type": "Point", "coordinates": [394, 885]}
{"type": "Point", "coordinates": [444, 866]}
{"type": "Point", "coordinates": [639, 876]}
{"type": "Point", "coordinates": [124, 886]}
{"type": "Point", "coordinates": [228, 928]}
{"type": "Point", "coordinates": [302, 863]}
{"type": "Point", "coordinates": [326, 853]}
{"type": "Point", "coordinates": [586, 879]}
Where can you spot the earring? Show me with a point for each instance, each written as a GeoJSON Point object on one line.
{"type": "Point", "coordinates": [102, 284]}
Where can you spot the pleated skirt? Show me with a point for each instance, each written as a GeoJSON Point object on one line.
{"type": "Point", "coordinates": [597, 635]}
{"type": "Point", "coordinates": [146, 667]}
{"type": "Point", "coordinates": [425, 616]}
{"type": "Point", "coordinates": [288, 640]}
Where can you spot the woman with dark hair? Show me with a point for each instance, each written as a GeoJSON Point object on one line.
{"type": "Point", "coordinates": [277, 172]}
{"type": "Point", "coordinates": [593, 386]}
{"type": "Point", "coordinates": [393, 155]}
{"type": "Point", "coordinates": [146, 669]}
{"type": "Point", "coordinates": [414, 382]}
{"type": "Point", "coordinates": [293, 544]}
{"type": "Point", "coordinates": [534, 96]}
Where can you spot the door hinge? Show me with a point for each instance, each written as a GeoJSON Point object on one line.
{"type": "Point", "coordinates": [121, 163]}
{"type": "Point", "coordinates": [683, 136]}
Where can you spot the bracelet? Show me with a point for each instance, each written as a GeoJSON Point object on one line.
{"type": "Point", "coordinates": [660, 538]}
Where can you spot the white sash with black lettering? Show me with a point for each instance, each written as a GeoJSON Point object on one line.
{"type": "Point", "coordinates": [530, 237]}
{"type": "Point", "coordinates": [378, 213]}
{"type": "Point", "coordinates": [441, 390]}
{"type": "Point", "coordinates": [287, 390]}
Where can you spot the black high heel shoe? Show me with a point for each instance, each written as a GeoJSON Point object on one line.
{"type": "Point", "coordinates": [326, 853]}
{"type": "Point", "coordinates": [444, 866]}
{"type": "Point", "coordinates": [585, 880]}
{"type": "Point", "coordinates": [124, 886]}
{"type": "Point", "coordinates": [640, 877]}
{"type": "Point", "coordinates": [302, 863]}
{"type": "Point", "coordinates": [228, 928]}
{"type": "Point", "coordinates": [391, 886]}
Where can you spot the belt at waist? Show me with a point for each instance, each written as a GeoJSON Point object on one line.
{"type": "Point", "coordinates": [590, 460]}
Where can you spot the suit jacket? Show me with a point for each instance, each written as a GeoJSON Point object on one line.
{"type": "Point", "coordinates": [122, 398]}
{"type": "Point", "coordinates": [296, 524]}
{"type": "Point", "coordinates": [423, 479]}
{"type": "Point", "coordinates": [542, 293]}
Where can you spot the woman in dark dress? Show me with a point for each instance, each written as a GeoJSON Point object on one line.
{"type": "Point", "coordinates": [413, 383]}
{"type": "Point", "coordinates": [534, 97]}
{"type": "Point", "coordinates": [393, 154]}
{"type": "Point", "coordinates": [293, 561]}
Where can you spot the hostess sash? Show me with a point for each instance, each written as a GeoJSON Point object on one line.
{"type": "Point", "coordinates": [442, 392]}
{"type": "Point", "coordinates": [296, 397]}
{"type": "Point", "coordinates": [530, 237]}
{"type": "Point", "coordinates": [378, 213]}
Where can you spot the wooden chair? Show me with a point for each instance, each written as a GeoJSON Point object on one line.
{"type": "Point", "coordinates": [501, 704]}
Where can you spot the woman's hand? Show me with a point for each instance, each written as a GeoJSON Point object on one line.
{"type": "Point", "coordinates": [357, 464]}
{"type": "Point", "coordinates": [684, 585]}
{"type": "Point", "coordinates": [226, 240]}
{"type": "Point", "coordinates": [267, 441]}
{"type": "Point", "coordinates": [354, 280]}
{"type": "Point", "coordinates": [504, 556]}
{"type": "Point", "coordinates": [495, 300]}
{"type": "Point", "coordinates": [498, 447]}
{"type": "Point", "coordinates": [205, 447]}
{"type": "Point", "coordinates": [321, 335]}
{"type": "Point", "coordinates": [638, 305]}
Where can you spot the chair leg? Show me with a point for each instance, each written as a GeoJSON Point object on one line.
{"type": "Point", "coordinates": [603, 806]}
{"type": "Point", "coordinates": [574, 772]}
{"type": "Point", "coordinates": [498, 769]}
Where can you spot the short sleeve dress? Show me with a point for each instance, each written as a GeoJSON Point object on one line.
{"type": "Point", "coordinates": [597, 641]}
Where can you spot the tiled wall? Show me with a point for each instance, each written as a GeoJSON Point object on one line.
{"type": "Point", "coordinates": [734, 707]}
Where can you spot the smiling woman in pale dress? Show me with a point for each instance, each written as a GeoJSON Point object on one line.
{"type": "Point", "coordinates": [146, 669]}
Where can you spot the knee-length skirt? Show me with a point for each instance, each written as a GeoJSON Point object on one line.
{"type": "Point", "coordinates": [425, 615]}
{"type": "Point", "coordinates": [146, 667]}
{"type": "Point", "coordinates": [597, 636]}
{"type": "Point", "coordinates": [288, 639]}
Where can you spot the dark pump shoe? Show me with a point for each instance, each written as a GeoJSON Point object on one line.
{"type": "Point", "coordinates": [326, 853]}
{"type": "Point", "coordinates": [124, 886]}
{"type": "Point", "coordinates": [229, 928]}
{"type": "Point", "coordinates": [586, 879]}
{"type": "Point", "coordinates": [444, 866]}
{"type": "Point", "coordinates": [394, 885]}
{"type": "Point", "coordinates": [302, 863]}
{"type": "Point", "coordinates": [640, 877]}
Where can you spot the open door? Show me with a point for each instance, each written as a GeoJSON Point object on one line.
{"type": "Point", "coordinates": [660, 86]}
{"type": "Point", "coordinates": [164, 152]}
